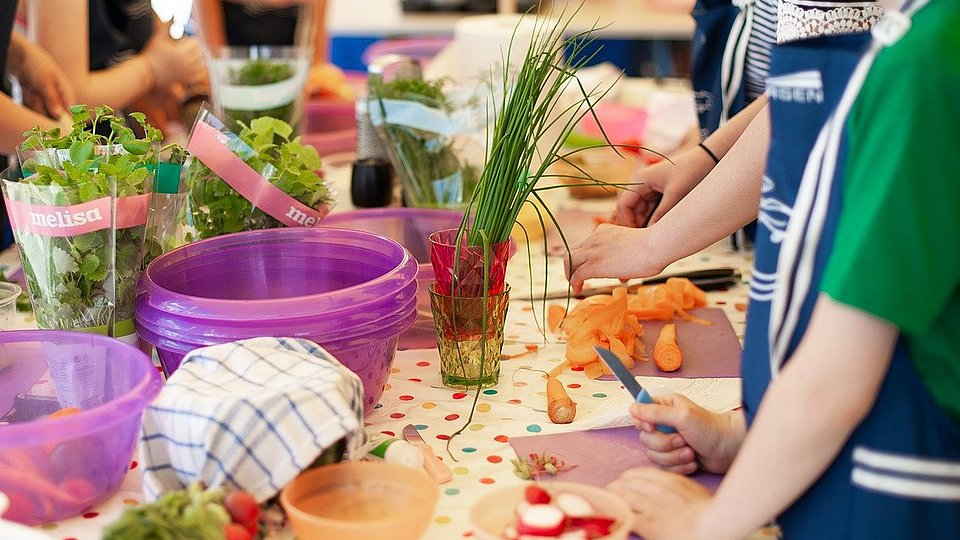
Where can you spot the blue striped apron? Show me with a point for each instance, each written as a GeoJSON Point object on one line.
{"type": "Point", "coordinates": [898, 476]}
{"type": "Point", "coordinates": [717, 73]}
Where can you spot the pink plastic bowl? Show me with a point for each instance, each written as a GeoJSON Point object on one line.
{"type": "Point", "coordinates": [55, 468]}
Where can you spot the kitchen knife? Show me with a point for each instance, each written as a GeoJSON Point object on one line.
{"type": "Point", "coordinates": [629, 382]}
{"type": "Point", "coordinates": [437, 469]}
{"type": "Point", "coordinates": [708, 279]}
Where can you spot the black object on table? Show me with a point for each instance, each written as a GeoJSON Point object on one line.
{"type": "Point", "coordinates": [371, 183]}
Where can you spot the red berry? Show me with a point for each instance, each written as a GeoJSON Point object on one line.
{"type": "Point", "coordinates": [243, 509]}
{"type": "Point", "coordinates": [235, 531]}
{"type": "Point", "coordinates": [535, 494]}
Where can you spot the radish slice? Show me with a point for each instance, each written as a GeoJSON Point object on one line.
{"type": "Point", "coordinates": [593, 526]}
{"type": "Point", "coordinates": [541, 520]}
{"type": "Point", "coordinates": [573, 505]}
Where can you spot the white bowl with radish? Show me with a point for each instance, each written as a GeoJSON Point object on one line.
{"type": "Point", "coordinates": [543, 510]}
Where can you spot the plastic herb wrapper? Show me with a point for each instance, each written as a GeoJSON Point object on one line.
{"type": "Point", "coordinates": [250, 82]}
{"type": "Point", "coordinates": [78, 208]}
{"type": "Point", "coordinates": [259, 179]}
{"type": "Point", "coordinates": [435, 137]}
{"type": "Point", "coordinates": [163, 224]}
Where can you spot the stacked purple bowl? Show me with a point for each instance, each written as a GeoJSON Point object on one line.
{"type": "Point", "coordinates": [352, 292]}
{"type": "Point", "coordinates": [411, 227]}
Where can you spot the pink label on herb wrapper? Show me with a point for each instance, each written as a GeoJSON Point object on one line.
{"type": "Point", "coordinates": [78, 219]}
{"type": "Point", "coordinates": [210, 146]}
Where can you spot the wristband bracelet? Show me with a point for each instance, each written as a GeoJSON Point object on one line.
{"type": "Point", "coordinates": [713, 156]}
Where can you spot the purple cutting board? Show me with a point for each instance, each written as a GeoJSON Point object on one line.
{"type": "Point", "coordinates": [600, 455]}
{"type": "Point", "coordinates": [708, 351]}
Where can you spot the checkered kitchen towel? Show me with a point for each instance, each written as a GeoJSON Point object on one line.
{"type": "Point", "coordinates": [249, 415]}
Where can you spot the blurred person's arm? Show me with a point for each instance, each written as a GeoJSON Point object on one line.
{"type": "Point", "coordinates": [17, 120]}
{"type": "Point", "coordinates": [321, 45]}
{"type": "Point", "coordinates": [163, 61]}
{"type": "Point", "coordinates": [45, 86]}
{"type": "Point", "coordinates": [209, 15]}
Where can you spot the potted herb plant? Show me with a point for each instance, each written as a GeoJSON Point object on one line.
{"type": "Point", "coordinates": [428, 136]}
{"type": "Point", "coordinates": [78, 206]}
{"type": "Point", "coordinates": [250, 82]}
{"type": "Point", "coordinates": [540, 104]}
{"type": "Point", "coordinates": [261, 178]}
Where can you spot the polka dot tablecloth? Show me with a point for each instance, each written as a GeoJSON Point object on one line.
{"type": "Point", "coordinates": [481, 454]}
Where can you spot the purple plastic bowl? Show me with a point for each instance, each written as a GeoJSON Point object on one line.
{"type": "Point", "coordinates": [283, 273]}
{"type": "Point", "coordinates": [168, 328]}
{"type": "Point", "coordinates": [369, 356]}
{"type": "Point", "coordinates": [178, 326]}
{"type": "Point", "coordinates": [410, 227]}
{"type": "Point", "coordinates": [55, 468]}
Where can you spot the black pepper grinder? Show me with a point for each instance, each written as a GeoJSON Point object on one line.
{"type": "Point", "coordinates": [371, 183]}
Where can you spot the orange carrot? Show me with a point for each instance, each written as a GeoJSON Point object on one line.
{"type": "Point", "coordinates": [66, 411]}
{"type": "Point", "coordinates": [666, 352]}
{"type": "Point", "coordinates": [560, 408]}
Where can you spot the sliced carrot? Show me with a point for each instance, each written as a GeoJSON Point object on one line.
{"type": "Point", "coordinates": [666, 352]}
{"type": "Point", "coordinates": [592, 370]}
{"type": "Point", "coordinates": [558, 369]}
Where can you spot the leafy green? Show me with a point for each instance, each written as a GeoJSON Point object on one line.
{"type": "Point", "coordinates": [215, 208]}
{"type": "Point", "coordinates": [177, 515]}
{"type": "Point", "coordinates": [86, 280]}
{"type": "Point", "coordinates": [433, 174]}
{"type": "Point", "coordinates": [259, 72]}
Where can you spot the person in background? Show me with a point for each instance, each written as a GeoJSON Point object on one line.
{"type": "Point", "coordinates": [117, 53]}
{"type": "Point", "coordinates": [726, 169]}
{"type": "Point", "coordinates": [44, 86]}
{"type": "Point", "coordinates": [274, 22]}
{"type": "Point", "coordinates": [852, 356]}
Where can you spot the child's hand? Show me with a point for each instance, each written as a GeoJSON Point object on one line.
{"type": "Point", "coordinates": [703, 440]}
{"type": "Point", "coordinates": [666, 505]}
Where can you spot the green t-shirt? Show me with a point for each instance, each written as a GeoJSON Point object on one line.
{"type": "Point", "coordinates": [897, 248]}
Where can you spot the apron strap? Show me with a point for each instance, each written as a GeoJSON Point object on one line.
{"type": "Point", "coordinates": [734, 57]}
{"type": "Point", "coordinates": [796, 261]}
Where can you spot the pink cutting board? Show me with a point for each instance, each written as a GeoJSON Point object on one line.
{"type": "Point", "coordinates": [600, 455]}
{"type": "Point", "coordinates": [708, 351]}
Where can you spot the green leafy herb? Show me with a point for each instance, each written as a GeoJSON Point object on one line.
{"type": "Point", "coordinates": [433, 174]}
{"type": "Point", "coordinates": [190, 513]}
{"type": "Point", "coordinates": [215, 208]}
{"type": "Point", "coordinates": [259, 72]}
{"type": "Point", "coordinates": [86, 280]}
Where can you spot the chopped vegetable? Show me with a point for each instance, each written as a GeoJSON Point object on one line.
{"type": "Point", "coordinates": [66, 411]}
{"type": "Point", "coordinates": [666, 352]}
{"type": "Point", "coordinates": [555, 315]}
{"type": "Point", "coordinates": [560, 408]}
{"type": "Point", "coordinates": [535, 494]}
{"type": "Point", "coordinates": [541, 520]}
{"type": "Point", "coordinates": [536, 465]}
{"type": "Point", "coordinates": [190, 513]}
{"type": "Point", "coordinates": [613, 322]}
{"type": "Point", "coordinates": [573, 505]}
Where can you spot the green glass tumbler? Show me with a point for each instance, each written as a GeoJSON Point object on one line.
{"type": "Point", "coordinates": [469, 337]}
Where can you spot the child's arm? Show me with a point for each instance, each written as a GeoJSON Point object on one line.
{"type": "Point", "coordinates": [807, 414]}
{"type": "Point", "coordinates": [825, 391]}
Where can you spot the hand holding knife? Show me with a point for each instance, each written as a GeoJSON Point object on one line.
{"type": "Point", "coordinates": [630, 383]}
{"type": "Point", "coordinates": [708, 279]}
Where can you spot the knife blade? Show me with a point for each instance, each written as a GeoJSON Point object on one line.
{"type": "Point", "coordinates": [708, 279]}
{"type": "Point", "coordinates": [629, 382]}
{"type": "Point", "coordinates": [437, 469]}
